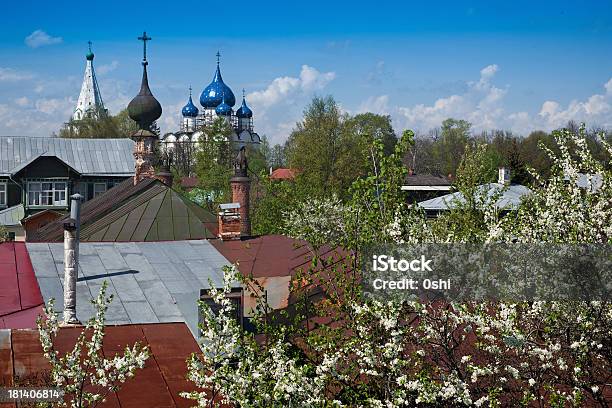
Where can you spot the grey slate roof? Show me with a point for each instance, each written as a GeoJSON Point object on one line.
{"type": "Point", "coordinates": [12, 216]}
{"type": "Point", "coordinates": [87, 156]}
{"type": "Point", "coordinates": [151, 281]}
{"type": "Point", "coordinates": [510, 198]}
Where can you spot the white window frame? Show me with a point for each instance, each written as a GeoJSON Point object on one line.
{"type": "Point", "coordinates": [3, 194]}
{"type": "Point", "coordinates": [97, 193]}
{"type": "Point", "coordinates": [47, 193]}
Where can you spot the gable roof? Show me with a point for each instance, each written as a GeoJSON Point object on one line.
{"type": "Point", "coordinates": [147, 211]}
{"type": "Point", "coordinates": [12, 216]}
{"type": "Point", "coordinates": [151, 281]}
{"type": "Point", "coordinates": [112, 157]}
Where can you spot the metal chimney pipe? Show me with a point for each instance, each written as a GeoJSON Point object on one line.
{"type": "Point", "coordinates": [71, 259]}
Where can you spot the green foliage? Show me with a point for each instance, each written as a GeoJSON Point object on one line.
{"type": "Point", "coordinates": [214, 161]}
{"type": "Point", "coordinates": [102, 127]}
{"type": "Point", "coordinates": [329, 147]}
{"type": "Point", "coordinates": [453, 139]}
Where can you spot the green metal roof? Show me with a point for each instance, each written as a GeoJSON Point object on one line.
{"type": "Point", "coordinates": [147, 211]}
{"type": "Point", "coordinates": [156, 214]}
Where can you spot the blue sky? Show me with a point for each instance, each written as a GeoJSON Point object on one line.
{"type": "Point", "coordinates": [514, 65]}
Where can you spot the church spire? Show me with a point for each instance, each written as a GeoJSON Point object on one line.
{"type": "Point", "coordinates": [90, 99]}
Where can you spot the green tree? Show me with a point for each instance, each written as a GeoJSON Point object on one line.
{"type": "Point", "coordinates": [214, 161]}
{"type": "Point", "coordinates": [315, 145]}
{"type": "Point", "coordinates": [102, 127]}
{"type": "Point", "coordinates": [330, 148]}
{"type": "Point", "coordinates": [450, 146]}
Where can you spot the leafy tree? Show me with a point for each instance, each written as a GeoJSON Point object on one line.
{"type": "Point", "coordinates": [329, 147]}
{"type": "Point", "coordinates": [278, 156]}
{"type": "Point", "coordinates": [214, 161]}
{"type": "Point", "coordinates": [449, 148]}
{"type": "Point", "coordinates": [315, 146]}
{"type": "Point", "coordinates": [102, 127]}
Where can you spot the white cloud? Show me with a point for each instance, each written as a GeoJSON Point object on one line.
{"type": "Point", "coordinates": [23, 101]}
{"type": "Point", "coordinates": [483, 105]}
{"type": "Point", "coordinates": [39, 38]}
{"type": "Point", "coordinates": [310, 80]}
{"type": "Point", "coordinates": [376, 104]}
{"type": "Point", "coordinates": [52, 106]}
{"type": "Point", "coordinates": [480, 104]}
{"type": "Point", "coordinates": [284, 98]}
{"type": "Point", "coordinates": [105, 69]}
{"type": "Point", "coordinates": [9, 74]}
{"type": "Point", "coordinates": [595, 110]}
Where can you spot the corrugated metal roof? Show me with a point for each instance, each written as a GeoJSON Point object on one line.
{"type": "Point", "coordinates": [151, 281]}
{"type": "Point", "coordinates": [510, 198]}
{"type": "Point", "coordinates": [87, 156]}
{"type": "Point", "coordinates": [12, 216]}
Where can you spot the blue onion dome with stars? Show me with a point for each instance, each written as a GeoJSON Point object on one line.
{"type": "Point", "coordinates": [224, 109]}
{"type": "Point", "coordinates": [212, 95]}
{"type": "Point", "coordinates": [190, 110]}
{"type": "Point", "coordinates": [244, 111]}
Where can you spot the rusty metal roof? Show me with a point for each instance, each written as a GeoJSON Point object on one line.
{"type": "Point", "coordinates": [147, 211]}
{"type": "Point", "coordinates": [158, 384]}
{"type": "Point", "coordinates": [20, 297]}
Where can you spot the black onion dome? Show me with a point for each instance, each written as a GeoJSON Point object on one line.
{"type": "Point", "coordinates": [144, 108]}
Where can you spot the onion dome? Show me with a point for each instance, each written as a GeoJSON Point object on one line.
{"type": "Point", "coordinates": [223, 109]}
{"type": "Point", "coordinates": [212, 95]}
{"type": "Point", "coordinates": [144, 108]}
{"type": "Point", "coordinates": [190, 110]}
{"type": "Point", "coordinates": [244, 111]}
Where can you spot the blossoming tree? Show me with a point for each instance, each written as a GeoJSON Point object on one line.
{"type": "Point", "coordinates": [346, 349]}
{"type": "Point", "coordinates": [84, 374]}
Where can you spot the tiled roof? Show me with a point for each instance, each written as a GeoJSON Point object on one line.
{"type": "Point", "coordinates": [12, 216]}
{"type": "Point", "coordinates": [20, 298]}
{"type": "Point", "coordinates": [510, 198]}
{"type": "Point", "coordinates": [147, 211]}
{"type": "Point", "coordinates": [151, 281]}
{"type": "Point", "coordinates": [158, 384]}
{"type": "Point", "coordinates": [283, 174]}
{"type": "Point", "coordinates": [87, 156]}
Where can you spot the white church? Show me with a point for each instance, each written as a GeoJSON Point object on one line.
{"type": "Point", "coordinates": [217, 101]}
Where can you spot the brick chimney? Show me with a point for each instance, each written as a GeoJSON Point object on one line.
{"type": "Point", "coordinates": [503, 176]}
{"type": "Point", "coordinates": [144, 154]}
{"type": "Point", "coordinates": [241, 187]}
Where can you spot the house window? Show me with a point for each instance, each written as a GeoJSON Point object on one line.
{"type": "Point", "coordinates": [47, 194]}
{"type": "Point", "coordinates": [99, 188]}
{"type": "Point", "coordinates": [2, 194]}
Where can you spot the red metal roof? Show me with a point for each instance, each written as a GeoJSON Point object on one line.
{"type": "Point", "coordinates": [283, 174]}
{"type": "Point", "coordinates": [265, 256]}
{"type": "Point", "coordinates": [20, 297]}
{"type": "Point", "coordinates": [157, 385]}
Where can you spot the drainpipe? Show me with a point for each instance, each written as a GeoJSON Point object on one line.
{"type": "Point", "coordinates": [71, 259]}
